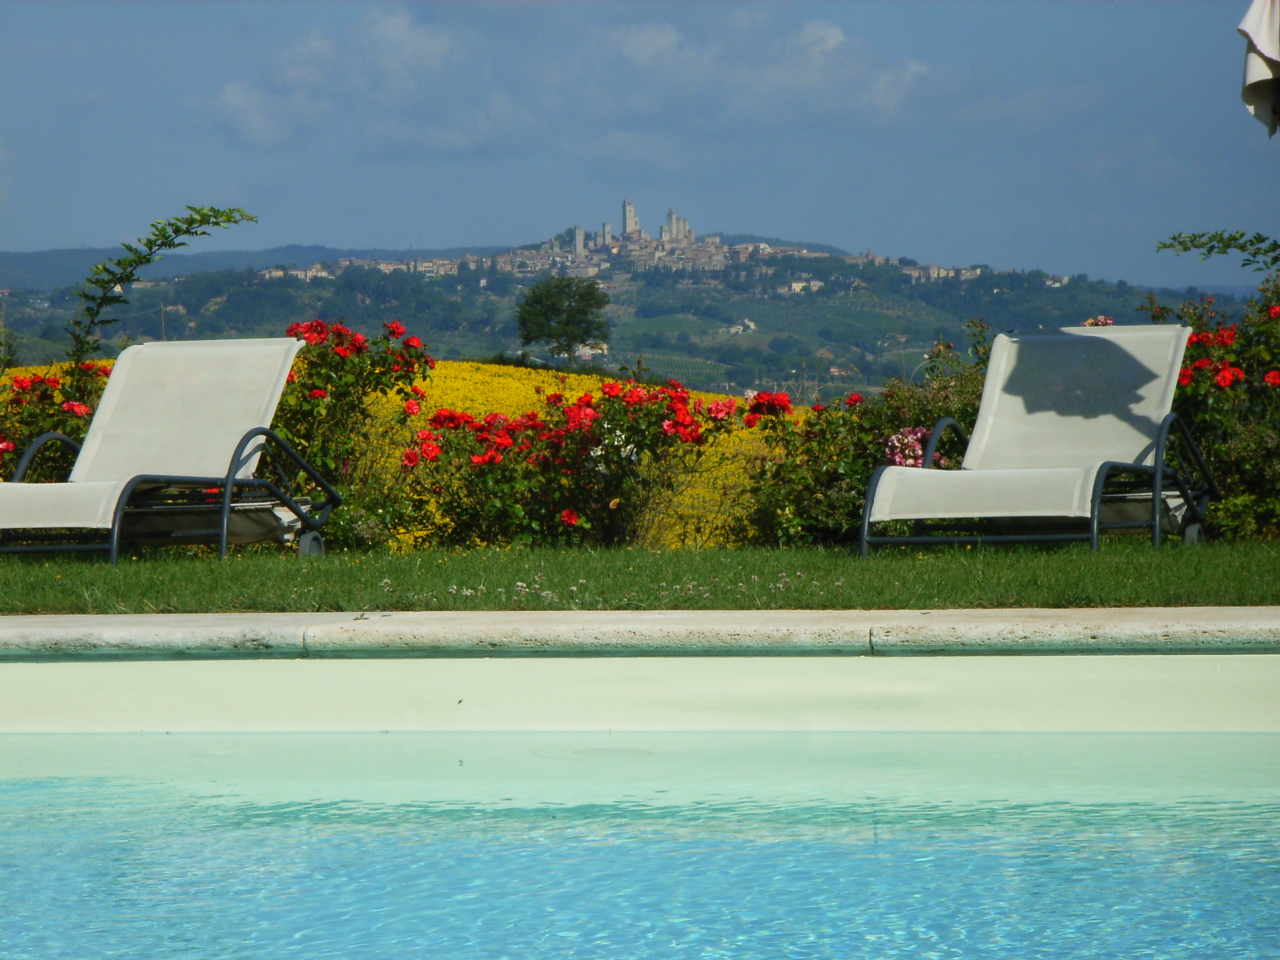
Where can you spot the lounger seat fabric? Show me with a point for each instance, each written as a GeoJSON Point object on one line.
{"type": "Point", "coordinates": [909, 493]}
{"type": "Point", "coordinates": [49, 506]}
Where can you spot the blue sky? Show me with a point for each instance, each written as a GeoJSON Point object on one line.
{"type": "Point", "coordinates": [1067, 136]}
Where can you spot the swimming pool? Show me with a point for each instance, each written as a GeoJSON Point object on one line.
{"type": "Point", "coordinates": [663, 845]}
{"type": "Point", "coordinates": [991, 784]}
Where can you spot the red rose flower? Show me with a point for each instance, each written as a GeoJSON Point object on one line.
{"type": "Point", "coordinates": [818, 407]}
{"type": "Point", "coordinates": [719, 409]}
{"type": "Point", "coordinates": [450, 419]}
{"type": "Point", "coordinates": [6, 446]}
{"type": "Point", "coordinates": [431, 451]}
{"type": "Point", "coordinates": [76, 409]}
{"type": "Point", "coordinates": [611, 389]}
{"type": "Point", "coordinates": [417, 391]}
{"type": "Point", "coordinates": [1229, 375]}
{"type": "Point", "coordinates": [1272, 378]}
{"type": "Point", "coordinates": [569, 518]}
{"type": "Point", "coordinates": [413, 343]}
{"type": "Point", "coordinates": [410, 458]}
{"type": "Point", "coordinates": [770, 404]}
{"type": "Point", "coordinates": [1184, 376]}
{"type": "Point", "coordinates": [318, 394]}
{"type": "Point", "coordinates": [412, 407]}
{"type": "Point", "coordinates": [395, 328]}
{"type": "Point", "coordinates": [1274, 312]}
{"type": "Point", "coordinates": [751, 419]}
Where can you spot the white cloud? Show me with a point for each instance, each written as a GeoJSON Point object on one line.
{"type": "Point", "coordinates": [251, 114]}
{"type": "Point", "coordinates": [747, 73]}
{"type": "Point", "coordinates": [816, 40]}
{"type": "Point", "coordinates": [399, 84]}
{"type": "Point", "coordinates": [307, 64]}
{"type": "Point", "coordinates": [402, 52]}
{"type": "Point", "coordinates": [640, 45]}
{"type": "Point", "coordinates": [894, 85]}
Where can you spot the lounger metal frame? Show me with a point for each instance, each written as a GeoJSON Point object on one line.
{"type": "Point", "coordinates": [1172, 475]}
{"type": "Point", "coordinates": [175, 494]}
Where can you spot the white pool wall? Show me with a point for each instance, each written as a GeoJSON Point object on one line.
{"type": "Point", "coordinates": [1133, 693]}
{"type": "Point", "coordinates": [1205, 670]}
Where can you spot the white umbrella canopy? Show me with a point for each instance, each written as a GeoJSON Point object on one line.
{"type": "Point", "coordinates": [1261, 93]}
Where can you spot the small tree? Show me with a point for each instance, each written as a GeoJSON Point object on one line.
{"type": "Point", "coordinates": [564, 313]}
{"type": "Point", "coordinates": [104, 287]}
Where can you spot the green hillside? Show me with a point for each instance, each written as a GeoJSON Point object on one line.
{"type": "Point", "coordinates": [848, 326]}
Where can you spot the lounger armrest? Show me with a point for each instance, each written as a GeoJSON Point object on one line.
{"type": "Point", "coordinates": [34, 447]}
{"type": "Point", "coordinates": [1173, 423]}
{"type": "Point", "coordinates": [939, 430]}
{"type": "Point", "coordinates": [332, 499]}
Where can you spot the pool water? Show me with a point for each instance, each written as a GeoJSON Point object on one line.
{"type": "Point", "coordinates": [666, 846]}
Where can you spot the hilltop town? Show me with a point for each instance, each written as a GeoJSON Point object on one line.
{"type": "Point", "coordinates": [581, 253]}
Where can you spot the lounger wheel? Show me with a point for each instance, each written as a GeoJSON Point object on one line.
{"type": "Point", "coordinates": [1192, 533]}
{"type": "Point", "coordinates": [310, 544]}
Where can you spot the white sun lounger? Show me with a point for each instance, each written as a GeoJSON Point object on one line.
{"type": "Point", "coordinates": [1071, 428]}
{"type": "Point", "coordinates": [170, 457]}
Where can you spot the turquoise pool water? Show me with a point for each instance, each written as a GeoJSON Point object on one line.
{"type": "Point", "coordinates": [665, 846]}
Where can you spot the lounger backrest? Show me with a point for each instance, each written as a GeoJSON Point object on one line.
{"type": "Point", "coordinates": [179, 409]}
{"type": "Point", "coordinates": [1075, 397]}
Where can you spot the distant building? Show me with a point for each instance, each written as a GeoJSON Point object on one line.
{"type": "Point", "coordinates": [630, 222]}
{"type": "Point", "coordinates": [676, 229]}
{"type": "Point", "coordinates": [579, 242]}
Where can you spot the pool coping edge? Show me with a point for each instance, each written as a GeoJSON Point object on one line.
{"type": "Point", "coordinates": [648, 633]}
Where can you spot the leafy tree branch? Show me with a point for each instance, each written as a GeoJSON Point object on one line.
{"type": "Point", "coordinates": [1259, 251]}
{"type": "Point", "coordinates": [106, 281]}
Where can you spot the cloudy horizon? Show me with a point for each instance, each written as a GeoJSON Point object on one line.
{"type": "Point", "coordinates": [1064, 136]}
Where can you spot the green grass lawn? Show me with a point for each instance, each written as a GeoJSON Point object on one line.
{"type": "Point", "coordinates": [1125, 573]}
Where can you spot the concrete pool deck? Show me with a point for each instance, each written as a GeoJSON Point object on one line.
{"type": "Point", "coordinates": [1171, 670]}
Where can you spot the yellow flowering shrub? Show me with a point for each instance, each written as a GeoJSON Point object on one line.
{"type": "Point", "coordinates": [707, 508]}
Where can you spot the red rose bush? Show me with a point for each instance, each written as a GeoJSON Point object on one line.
{"type": "Point", "coordinates": [581, 470]}
{"type": "Point", "coordinates": [330, 414]}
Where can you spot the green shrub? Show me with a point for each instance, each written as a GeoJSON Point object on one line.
{"type": "Point", "coordinates": [1229, 395]}
{"type": "Point", "coordinates": [811, 485]}
{"type": "Point", "coordinates": [330, 413]}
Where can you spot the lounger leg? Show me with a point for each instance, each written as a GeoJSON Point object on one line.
{"type": "Point", "coordinates": [1157, 501]}
{"type": "Point", "coordinates": [865, 529]}
{"type": "Point", "coordinates": [227, 493]}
